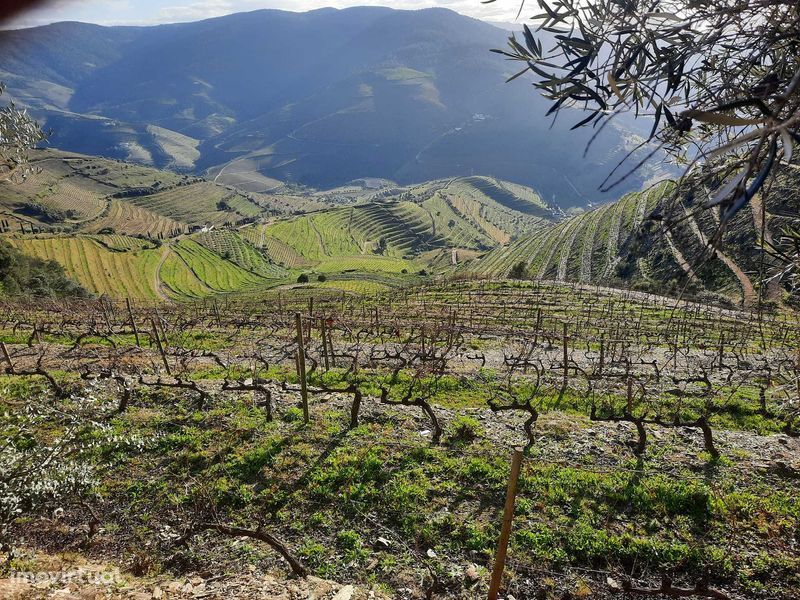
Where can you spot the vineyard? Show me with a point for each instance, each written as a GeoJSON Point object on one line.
{"type": "Point", "coordinates": [121, 266]}
{"type": "Point", "coordinates": [328, 352]}
{"type": "Point", "coordinates": [369, 438]}
{"type": "Point", "coordinates": [97, 268]}
{"type": "Point", "coordinates": [123, 243]}
{"type": "Point", "coordinates": [119, 175]}
{"type": "Point", "coordinates": [620, 244]}
{"type": "Point", "coordinates": [396, 232]}
{"type": "Point", "coordinates": [465, 226]}
{"type": "Point", "coordinates": [215, 272]}
{"type": "Point", "coordinates": [584, 247]}
{"type": "Point", "coordinates": [126, 218]}
{"type": "Point", "coordinates": [241, 252]}
{"type": "Point", "coordinates": [54, 194]}
{"type": "Point", "coordinates": [199, 204]}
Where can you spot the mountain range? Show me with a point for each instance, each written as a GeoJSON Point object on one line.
{"type": "Point", "coordinates": [316, 99]}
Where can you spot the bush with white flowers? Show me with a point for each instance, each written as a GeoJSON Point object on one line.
{"type": "Point", "coordinates": [46, 451]}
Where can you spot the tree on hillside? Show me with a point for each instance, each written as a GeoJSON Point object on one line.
{"type": "Point", "coordinates": [21, 274]}
{"type": "Point", "coordinates": [18, 134]}
{"type": "Point", "coordinates": [519, 270]}
{"type": "Point", "coordinates": [720, 80]}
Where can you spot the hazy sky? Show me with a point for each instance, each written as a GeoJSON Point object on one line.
{"type": "Point", "coordinates": [147, 12]}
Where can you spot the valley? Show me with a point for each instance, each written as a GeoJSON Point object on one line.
{"type": "Point", "coordinates": [406, 96]}
{"type": "Point", "coordinates": [334, 304]}
{"type": "Point", "coordinates": [130, 231]}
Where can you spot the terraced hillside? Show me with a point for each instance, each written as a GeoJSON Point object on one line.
{"type": "Point", "coordinates": [618, 245]}
{"type": "Point", "coordinates": [126, 267]}
{"type": "Point", "coordinates": [188, 238]}
{"type": "Point", "coordinates": [576, 248]}
{"type": "Point", "coordinates": [98, 268]}
{"type": "Point", "coordinates": [233, 247]}
{"type": "Point", "coordinates": [125, 217]}
{"type": "Point", "coordinates": [76, 193]}
{"type": "Point", "coordinates": [432, 225]}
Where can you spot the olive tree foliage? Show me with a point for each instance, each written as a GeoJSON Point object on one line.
{"type": "Point", "coordinates": [18, 134]}
{"type": "Point", "coordinates": [720, 80]}
{"type": "Point", "coordinates": [48, 452]}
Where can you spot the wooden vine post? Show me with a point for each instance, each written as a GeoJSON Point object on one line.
{"type": "Point", "coordinates": [310, 317]}
{"type": "Point", "coordinates": [160, 346]}
{"type": "Point", "coordinates": [324, 333]}
{"type": "Point", "coordinates": [330, 343]}
{"type": "Point", "coordinates": [566, 357]}
{"type": "Point", "coordinates": [7, 356]}
{"type": "Point", "coordinates": [505, 533]}
{"type": "Point", "coordinates": [301, 365]}
{"type": "Point", "coordinates": [133, 321]}
{"type": "Point", "coordinates": [602, 353]}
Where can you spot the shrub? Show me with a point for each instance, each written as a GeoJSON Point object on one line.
{"type": "Point", "coordinates": [518, 271]}
{"type": "Point", "coordinates": [464, 429]}
{"type": "Point", "coordinates": [49, 455]}
{"type": "Point", "coordinates": [349, 539]}
{"type": "Point", "coordinates": [21, 274]}
{"type": "Point", "coordinates": [321, 278]}
{"type": "Point", "coordinates": [292, 415]}
{"type": "Point", "coordinates": [303, 278]}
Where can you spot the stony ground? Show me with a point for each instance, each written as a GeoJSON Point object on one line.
{"type": "Point", "coordinates": [68, 577]}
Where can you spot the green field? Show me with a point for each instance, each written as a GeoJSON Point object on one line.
{"type": "Point", "coordinates": [218, 274]}
{"type": "Point", "coordinates": [236, 248]}
{"type": "Point", "coordinates": [98, 269]}
{"type": "Point", "coordinates": [355, 286]}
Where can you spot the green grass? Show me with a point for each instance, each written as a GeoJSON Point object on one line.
{"type": "Point", "coordinates": [355, 286]}
{"type": "Point", "coordinates": [363, 263]}
{"type": "Point", "coordinates": [565, 516]}
{"type": "Point", "coordinates": [215, 272]}
{"type": "Point", "coordinates": [98, 269]}
{"type": "Point", "coordinates": [232, 246]}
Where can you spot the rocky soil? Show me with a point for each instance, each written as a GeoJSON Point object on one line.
{"type": "Point", "coordinates": [49, 577]}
